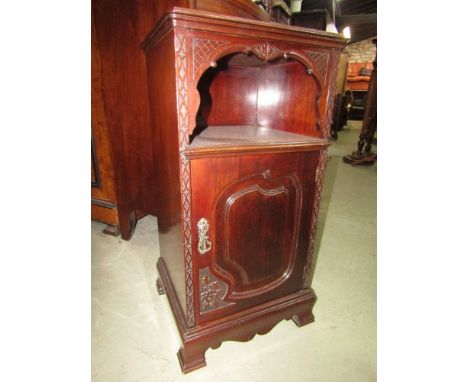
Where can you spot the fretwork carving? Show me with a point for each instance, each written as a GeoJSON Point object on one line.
{"type": "Point", "coordinates": [182, 106]}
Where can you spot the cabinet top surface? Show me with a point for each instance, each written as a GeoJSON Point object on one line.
{"type": "Point", "coordinates": [186, 12]}
{"type": "Point", "coordinates": [202, 20]}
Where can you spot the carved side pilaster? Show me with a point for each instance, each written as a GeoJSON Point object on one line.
{"type": "Point", "coordinates": [212, 291]}
{"type": "Point", "coordinates": [318, 189]}
{"type": "Point", "coordinates": [182, 109]}
{"type": "Point", "coordinates": [331, 94]}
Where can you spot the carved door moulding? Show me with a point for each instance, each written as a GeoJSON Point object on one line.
{"type": "Point", "coordinates": [242, 285]}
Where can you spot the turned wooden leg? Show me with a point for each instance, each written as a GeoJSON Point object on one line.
{"type": "Point", "coordinates": [160, 287]}
{"type": "Point", "coordinates": [303, 318]}
{"type": "Point", "coordinates": [127, 221]}
{"type": "Point", "coordinates": [191, 358]}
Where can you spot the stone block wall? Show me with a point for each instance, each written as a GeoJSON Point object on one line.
{"type": "Point", "coordinates": [362, 51]}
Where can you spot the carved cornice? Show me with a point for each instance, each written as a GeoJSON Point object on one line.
{"type": "Point", "coordinates": [238, 26]}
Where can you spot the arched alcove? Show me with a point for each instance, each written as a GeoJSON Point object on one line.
{"type": "Point", "coordinates": [244, 95]}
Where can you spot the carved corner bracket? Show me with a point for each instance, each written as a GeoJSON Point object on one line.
{"type": "Point", "coordinates": [212, 291]}
{"type": "Point", "coordinates": [320, 60]}
{"type": "Point", "coordinates": [203, 50]}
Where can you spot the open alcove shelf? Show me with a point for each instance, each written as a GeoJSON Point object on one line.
{"type": "Point", "coordinates": [240, 113]}
{"type": "Point", "coordinates": [248, 104]}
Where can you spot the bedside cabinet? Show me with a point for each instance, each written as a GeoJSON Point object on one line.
{"type": "Point", "coordinates": [240, 113]}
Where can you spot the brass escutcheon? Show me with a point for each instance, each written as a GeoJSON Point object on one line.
{"type": "Point", "coordinates": [204, 243]}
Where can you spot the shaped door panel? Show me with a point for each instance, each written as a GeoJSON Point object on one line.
{"type": "Point", "coordinates": [251, 217]}
{"type": "Point", "coordinates": [257, 226]}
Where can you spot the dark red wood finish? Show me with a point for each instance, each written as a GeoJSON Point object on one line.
{"type": "Point", "coordinates": [262, 93]}
{"type": "Point", "coordinates": [239, 8]}
{"type": "Point", "coordinates": [103, 189]}
{"type": "Point", "coordinates": [118, 32]}
{"type": "Point", "coordinates": [120, 112]}
{"type": "Point", "coordinates": [240, 115]}
{"type": "Point", "coordinates": [259, 209]}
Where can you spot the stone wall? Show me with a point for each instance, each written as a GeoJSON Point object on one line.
{"type": "Point", "coordinates": [362, 51]}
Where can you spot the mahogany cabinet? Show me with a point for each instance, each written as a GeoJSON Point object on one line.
{"type": "Point", "coordinates": [240, 116]}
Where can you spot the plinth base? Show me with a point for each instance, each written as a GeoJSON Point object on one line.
{"type": "Point", "coordinates": [240, 326]}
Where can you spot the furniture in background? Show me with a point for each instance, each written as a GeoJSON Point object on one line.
{"type": "Point", "coordinates": [340, 110]}
{"type": "Point", "coordinates": [314, 19]}
{"type": "Point", "coordinates": [123, 186]}
{"type": "Point", "coordinates": [340, 113]}
{"type": "Point", "coordinates": [240, 119]}
{"type": "Point", "coordinates": [356, 104]}
{"type": "Point", "coordinates": [358, 77]}
{"type": "Point", "coordinates": [315, 14]}
{"type": "Point", "coordinates": [120, 117]}
{"type": "Point", "coordinates": [103, 193]}
{"type": "Point", "coordinates": [281, 12]}
{"type": "Point", "coordinates": [357, 83]}
{"type": "Point", "coordinates": [364, 155]}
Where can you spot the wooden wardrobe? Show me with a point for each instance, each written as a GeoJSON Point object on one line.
{"type": "Point", "coordinates": [123, 181]}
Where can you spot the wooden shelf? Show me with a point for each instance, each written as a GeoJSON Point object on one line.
{"type": "Point", "coordinates": [233, 139]}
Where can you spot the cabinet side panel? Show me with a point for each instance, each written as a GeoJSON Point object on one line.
{"type": "Point", "coordinates": [164, 122]}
